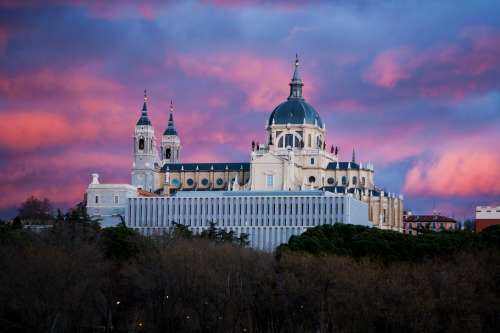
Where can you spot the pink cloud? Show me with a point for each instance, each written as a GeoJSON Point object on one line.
{"type": "Point", "coordinates": [389, 67]}
{"type": "Point", "coordinates": [457, 173]}
{"type": "Point", "coordinates": [28, 130]}
{"type": "Point", "coordinates": [451, 69]}
{"type": "Point", "coordinates": [262, 80]}
{"type": "Point", "coordinates": [45, 84]}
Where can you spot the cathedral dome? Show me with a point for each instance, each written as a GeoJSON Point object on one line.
{"type": "Point", "coordinates": [294, 112]}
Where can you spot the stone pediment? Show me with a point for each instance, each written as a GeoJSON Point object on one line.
{"type": "Point", "coordinates": [269, 159]}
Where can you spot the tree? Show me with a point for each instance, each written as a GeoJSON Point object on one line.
{"type": "Point", "coordinates": [16, 224]}
{"type": "Point", "coordinates": [37, 210]}
{"type": "Point", "coordinates": [220, 235]}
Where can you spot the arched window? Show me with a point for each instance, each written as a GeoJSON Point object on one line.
{"type": "Point", "coordinates": [167, 153]}
{"type": "Point", "coordinates": [317, 141]}
{"type": "Point", "coordinates": [312, 179]}
{"type": "Point", "coordinates": [288, 140]}
{"type": "Point", "coordinates": [141, 143]}
{"type": "Point", "coordinates": [280, 143]}
{"type": "Point", "coordinates": [309, 140]}
{"type": "Point", "coordinates": [363, 181]}
{"type": "Point", "coordinates": [354, 180]}
{"type": "Point", "coordinates": [343, 180]}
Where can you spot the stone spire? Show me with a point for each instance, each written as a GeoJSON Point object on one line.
{"type": "Point", "coordinates": [296, 84]}
{"type": "Point", "coordinates": [171, 128]}
{"type": "Point", "coordinates": [144, 120]}
{"type": "Point", "coordinates": [353, 157]}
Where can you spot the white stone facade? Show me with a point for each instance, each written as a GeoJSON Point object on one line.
{"type": "Point", "coordinates": [107, 201]}
{"type": "Point", "coordinates": [270, 218]}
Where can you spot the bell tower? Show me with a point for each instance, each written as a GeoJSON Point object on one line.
{"type": "Point", "coordinates": [145, 153]}
{"type": "Point", "coordinates": [170, 142]}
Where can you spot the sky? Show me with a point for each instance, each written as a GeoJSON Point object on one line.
{"type": "Point", "coordinates": [412, 86]}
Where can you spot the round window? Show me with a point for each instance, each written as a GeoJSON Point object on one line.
{"type": "Point", "coordinates": [219, 181]}
{"type": "Point", "coordinates": [204, 182]}
{"type": "Point", "coordinates": [139, 176]}
{"type": "Point", "coordinates": [331, 181]}
{"type": "Point", "coordinates": [312, 179]}
{"type": "Point", "coordinates": [190, 182]}
{"type": "Point", "coordinates": [175, 182]}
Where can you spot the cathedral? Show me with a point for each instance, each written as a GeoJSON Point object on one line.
{"type": "Point", "coordinates": [291, 165]}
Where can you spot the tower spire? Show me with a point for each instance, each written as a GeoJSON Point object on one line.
{"type": "Point", "coordinates": [171, 128]}
{"type": "Point", "coordinates": [144, 120]}
{"type": "Point", "coordinates": [353, 156]}
{"type": "Point", "coordinates": [296, 84]}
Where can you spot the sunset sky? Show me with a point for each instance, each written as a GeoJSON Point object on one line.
{"type": "Point", "coordinates": [412, 86]}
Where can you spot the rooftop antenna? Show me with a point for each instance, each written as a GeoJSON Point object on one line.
{"type": "Point", "coordinates": [434, 206]}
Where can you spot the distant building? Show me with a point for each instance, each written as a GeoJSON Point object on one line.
{"type": "Point", "coordinates": [487, 216]}
{"type": "Point", "coordinates": [433, 222]}
{"type": "Point", "coordinates": [406, 213]}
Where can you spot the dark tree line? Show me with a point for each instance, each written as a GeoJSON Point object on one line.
{"type": "Point", "coordinates": [76, 276]}
{"type": "Point", "coordinates": [359, 241]}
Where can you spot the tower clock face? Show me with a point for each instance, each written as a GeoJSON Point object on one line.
{"type": "Point", "coordinates": [139, 176]}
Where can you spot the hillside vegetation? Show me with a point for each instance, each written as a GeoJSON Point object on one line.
{"type": "Point", "coordinates": [341, 279]}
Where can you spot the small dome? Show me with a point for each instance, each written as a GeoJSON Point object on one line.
{"type": "Point", "coordinates": [294, 112]}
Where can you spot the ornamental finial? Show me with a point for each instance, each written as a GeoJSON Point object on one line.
{"type": "Point", "coordinates": [144, 95]}
{"type": "Point", "coordinates": [296, 59]}
{"type": "Point", "coordinates": [171, 106]}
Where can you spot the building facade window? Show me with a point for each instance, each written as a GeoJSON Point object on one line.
{"type": "Point", "coordinates": [331, 181]}
{"type": "Point", "coordinates": [312, 161]}
{"type": "Point", "coordinates": [309, 140]}
{"type": "Point", "coordinates": [363, 181]}
{"type": "Point", "coordinates": [269, 181]}
{"type": "Point", "coordinates": [117, 199]}
{"type": "Point", "coordinates": [354, 180]}
{"type": "Point", "coordinates": [141, 144]}
{"type": "Point", "coordinates": [312, 179]}
{"type": "Point", "coordinates": [343, 180]}
{"type": "Point", "coordinates": [219, 181]}
{"type": "Point", "coordinates": [96, 199]}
